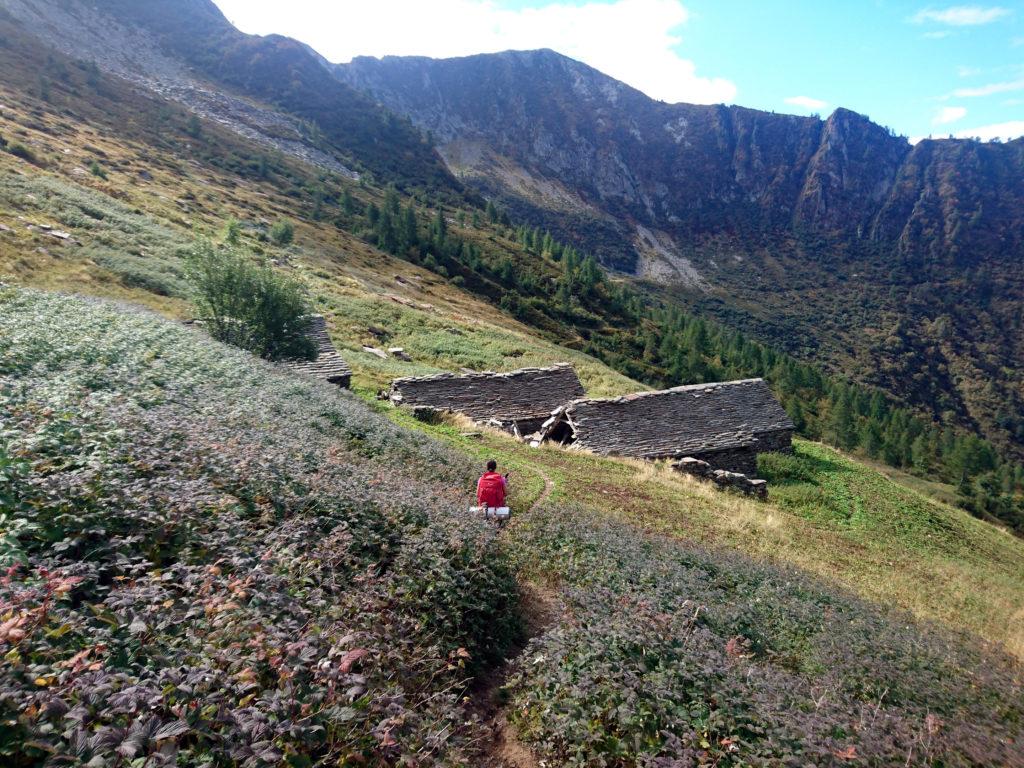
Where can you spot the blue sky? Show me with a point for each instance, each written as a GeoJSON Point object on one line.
{"type": "Point", "coordinates": [921, 69]}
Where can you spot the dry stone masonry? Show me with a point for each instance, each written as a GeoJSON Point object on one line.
{"type": "Point", "coordinates": [519, 401]}
{"type": "Point", "coordinates": [725, 424]}
{"type": "Point", "coordinates": [721, 477]}
{"type": "Point", "coordinates": [328, 365]}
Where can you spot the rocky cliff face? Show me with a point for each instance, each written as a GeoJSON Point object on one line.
{"type": "Point", "coordinates": [693, 171]}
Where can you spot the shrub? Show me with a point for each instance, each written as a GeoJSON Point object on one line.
{"type": "Point", "coordinates": [785, 467]}
{"type": "Point", "coordinates": [18, 149]}
{"type": "Point", "coordinates": [250, 305]}
{"type": "Point", "coordinates": [97, 170]}
{"type": "Point", "coordinates": [282, 233]}
{"type": "Point", "coordinates": [232, 231]}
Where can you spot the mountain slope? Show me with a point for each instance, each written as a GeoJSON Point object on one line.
{"type": "Point", "coordinates": [900, 264]}
{"type": "Point", "coordinates": [272, 574]}
{"type": "Point", "coordinates": [211, 583]}
{"type": "Point", "coordinates": [481, 294]}
{"type": "Point", "coordinates": [272, 88]}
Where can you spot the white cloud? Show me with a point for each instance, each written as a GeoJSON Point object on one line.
{"type": "Point", "coordinates": [632, 40]}
{"type": "Point", "coordinates": [988, 90]}
{"type": "Point", "coordinates": [1004, 131]}
{"type": "Point", "coordinates": [937, 35]}
{"type": "Point", "coordinates": [948, 115]}
{"type": "Point", "coordinates": [961, 15]}
{"type": "Point", "coordinates": [806, 102]}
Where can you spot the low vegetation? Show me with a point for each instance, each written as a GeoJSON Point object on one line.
{"type": "Point", "coordinates": [837, 519]}
{"type": "Point", "coordinates": [208, 562]}
{"type": "Point", "coordinates": [670, 655]}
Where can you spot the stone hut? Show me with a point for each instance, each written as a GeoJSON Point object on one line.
{"type": "Point", "coordinates": [519, 401]}
{"type": "Point", "coordinates": [725, 424]}
{"type": "Point", "coordinates": [328, 365]}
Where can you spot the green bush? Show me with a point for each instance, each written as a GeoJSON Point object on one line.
{"type": "Point", "coordinates": [250, 305]}
{"type": "Point", "coordinates": [784, 467]}
{"type": "Point", "coordinates": [282, 233]}
{"type": "Point", "coordinates": [97, 170]}
{"type": "Point", "coordinates": [232, 231]}
{"type": "Point", "coordinates": [20, 150]}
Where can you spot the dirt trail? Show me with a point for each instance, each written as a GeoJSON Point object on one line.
{"type": "Point", "coordinates": [540, 608]}
{"type": "Point", "coordinates": [549, 486]}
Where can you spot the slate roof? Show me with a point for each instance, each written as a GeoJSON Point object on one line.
{"type": "Point", "coordinates": [681, 421]}
{"type": "Point", "coordinates": [525, 394]}
{"type": "Point", "coordinates": [328, 365]}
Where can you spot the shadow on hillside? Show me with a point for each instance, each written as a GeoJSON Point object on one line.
{"type": "Point", "coordinates": [797, 467]}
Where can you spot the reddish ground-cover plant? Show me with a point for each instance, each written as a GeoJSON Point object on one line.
{"type": "Point", "coordinates": [211, 562]}
{"type": "Point", "coordinates": [672, 656]}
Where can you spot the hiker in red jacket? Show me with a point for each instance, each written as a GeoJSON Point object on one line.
{"type": "Point", "coordinates": [490, 488]}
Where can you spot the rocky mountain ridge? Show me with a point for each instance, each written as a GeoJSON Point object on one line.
{"type": "Point", "coordinates": [691, 170]}
{"type": "Point", "coordinates": [271, 89]}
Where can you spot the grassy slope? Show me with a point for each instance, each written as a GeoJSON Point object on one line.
{"type": "Point", "coordinates": [850, 525]}
{"type": "Point", "coordinates": [164, 187]}
{"type": "Point", "coordinates": [238, 587]}
{"type": "Point", "coordinates": [212, 561]}
{"type": "Point", "coordinates": [145, 211]}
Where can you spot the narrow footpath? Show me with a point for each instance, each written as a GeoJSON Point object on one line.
{"type": "Point", "coordinates": [540, 608]}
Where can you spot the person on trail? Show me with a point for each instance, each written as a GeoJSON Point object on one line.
{"type": "Point", "coordinates": [490, 488]}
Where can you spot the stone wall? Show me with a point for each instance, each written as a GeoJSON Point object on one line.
{"type": "Point", "coordinates": [779, 441]}
{"type": "Point", "coordinates": [526, 396]}
{"type": "Point", "coordinates": [742, 459]}
{"type": "Point", "coordinates": [328, 365]}
{"type": "Point", "coordinates": [723, 478]}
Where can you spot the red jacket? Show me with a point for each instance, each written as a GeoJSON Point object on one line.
{"type": "Point", "coordinates": [490, 490]}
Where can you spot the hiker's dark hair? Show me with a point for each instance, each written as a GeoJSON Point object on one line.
{"type": "Point", "coordinates": [492, 465]}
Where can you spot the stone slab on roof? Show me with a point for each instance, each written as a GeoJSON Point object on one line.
{"type": "Point", "coordinates": [328, 365]}
{"type": "Point", "coordinates": [525, 394]}
{"type": "Point", "coordinates": [681, 421]}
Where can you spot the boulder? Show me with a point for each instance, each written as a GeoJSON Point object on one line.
{"type": "Point", "coordinates": [735, 480]}
{"type": "Point", "coordinates": [399, 353]}
{"type": "Point", "coordinates": [691, 466]}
